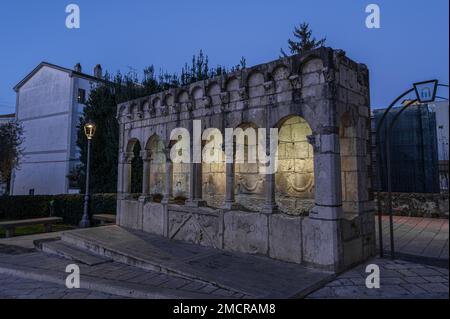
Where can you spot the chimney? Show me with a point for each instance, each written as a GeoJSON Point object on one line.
{"type": "Point", "coordinates": [77, 67]}
{"type": "Point", "coordinates": [98, 71]}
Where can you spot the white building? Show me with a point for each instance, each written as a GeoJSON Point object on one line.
{"type": "Point", "coordinates": [5, 118]}
{"type": "Point", "coordinates": [49, 102]}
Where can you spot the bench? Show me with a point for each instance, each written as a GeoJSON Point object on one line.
{"type": "Point", "coordinates": [105, 218]}
{"type": "Point", "coordinates": [10, 226]}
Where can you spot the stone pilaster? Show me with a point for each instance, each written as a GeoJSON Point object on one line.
{"type": "Point", "coordinates": [146, 160]}
{"type": "Point", "coordinates": [270, 204]}
{"type": "Point", "coordinates": [322, 231]}
{"type": "Point", "coordinates": [125, 159]}
{"type": "Point", "coordinates": [168, 182]}
{"type": "Point", "coordinates": [229, 202]}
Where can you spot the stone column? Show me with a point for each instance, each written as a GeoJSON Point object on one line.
{"type": "Point", "coordinates": [198, 194]}
{"type": "Point", "coordinates": [327, 174]}
{"type": "Point", "coordinates": [127, 158]}
{"type": "Point", "coordinates": [323, 228]}
{"type": "Point", "coordinates": [190, 200]}
{"type": "Point", "coordinates": [146, 159]}
{"type": "Point", "coordinates": [168, 190]}
{"type": "Point", "coordinates": [270, 204]}
{"type": "Point", "coordinates": [229, 202]}
{"type": "Point", "coordinates": [195, 183]}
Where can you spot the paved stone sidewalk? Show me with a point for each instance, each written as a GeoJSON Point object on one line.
{"type": "Point", "coordinates": [112, 277]}
{"type": "Point", "coordinates": [422, 237]}
{"type": "Point", "coordinates": [12, 287]}
{"type": "Point", "coordinates": [398, 280]}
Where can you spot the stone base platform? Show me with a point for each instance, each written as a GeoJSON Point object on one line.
{"type": "Point", "coordinates": [252, 275]}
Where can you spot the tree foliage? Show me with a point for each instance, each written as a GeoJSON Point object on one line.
{"type": "Point", "coordinates": [11, 138]}
{"type": "Point", "coordinates": [303, 40]}
{"type": "Point", "coordinates": [101, 109]}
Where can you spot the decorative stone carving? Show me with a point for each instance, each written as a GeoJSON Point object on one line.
{"type": "Point", "coordinates": [177, 107]}
{"type": "Point", "coordinates": [314, 140]}
{"type": "Point", "coordinates": [328, 74]}
{"type": "Point", "coordinates": [292, 180]}
{"type": "Point", "coordinates": [243, 93]}
{"type": "Point", "coordinates": [269, 85]}
{"type": "Point", "coordinates": [152, 110]}
{"type": "Point", "coordinates": [164, 110]}
{"type": "Point", "coordinates": [126, 157]}
{"type": "Point", "coordinates": [190, 106]}
{"type": "Point", "coordinates": [224, 97]}
{"type": "Point", "coordinates": [207, 101]}
{"type": "Point", "coordinates": [271, 99]}
{"type": "Point", "coordinates": [295, 81]}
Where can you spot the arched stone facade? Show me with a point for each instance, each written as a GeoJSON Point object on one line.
{"type": "Point", "coordinates": [315, 209]}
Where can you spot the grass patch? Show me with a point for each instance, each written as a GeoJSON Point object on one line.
{"type": "Point", "coordinates": [36, 229]}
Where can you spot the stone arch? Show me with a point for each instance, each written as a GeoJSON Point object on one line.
{"type": "Point", "coordinates": [255, 82]}
{"type": "Point", "coordinates": [133, 111]}
{"type": "Point", "coordinates": [232, 86]}
{"type": "Point", "coordinates": [280, 72]}
{"type": "Point", "coordinates": [122, 111]}
{"type": "Point", "coordinates": [145, 105]}
{"type": "Point", "coordinates": [180, 176]}
{"type": "Point", "coordinates": [213, 173]}
{"type": "Point", "coordinates": [311, 75]}
{"type": "Point", "coordinates": [183, 96]}
{"type": "Point", "coordinates": [213, 89]}
{"type": "Point", "coordinates": [248, 180]}
{"type": "Point", "coordinates": [312, 63]}
{"type": "Point", "coordinates": [280, 75]}
{"type": "Point", "coordinates": [294, 178]}
{"type": "Point", "coordinates": [155, 149]}
{"type": "Point", "coordinates": [169, 100]}
{"type": "Point", "coordinates": [134, 185]}
{"type": "Point", "coordinates": [197, 92]}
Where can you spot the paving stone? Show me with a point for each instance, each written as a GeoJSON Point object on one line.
{"type": "Point", "coordinates": [175, 283]}
{"type": "Point", "coordinates": [324, 293]}
{"type": "Point", "coordinates": [341, 282]}
{"type": "Point", "coordinates": [436, 279]}
{"type": "Point", "coordinates": [392, 281]}
{"type": "Point", "coordinates": [434, 287]}
{"type": "Point", "coordinates": [415, 280]}
{"type": "Point", "coordinates": [223, 292]}
{"type": "Point", "coordinates": [209, 289]}
{"type": "Point", "coordinates": [426, 272]}
{"type": "Point", "coordinates": [413, 289]}
{"type": "Point", "coordinates": [194, 286]}
{"type": "Point", "coordinates": [407, 272]}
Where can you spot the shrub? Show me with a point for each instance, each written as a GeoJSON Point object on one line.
{"type": "Point", "coordinates": [69, 207]}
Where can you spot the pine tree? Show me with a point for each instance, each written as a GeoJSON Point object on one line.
{"type": "Point", "coordinates": [11, 138]}
{"type": "Point", "coordinates": [303, 40]}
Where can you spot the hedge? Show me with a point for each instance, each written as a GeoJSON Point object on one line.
{"type": "Point", "coordinates": [69, 207]}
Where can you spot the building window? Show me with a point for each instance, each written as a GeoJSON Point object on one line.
{"type": "Point", "coordinates": [81, 96]}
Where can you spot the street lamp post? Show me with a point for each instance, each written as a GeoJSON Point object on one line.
{"type": "Point", "coordinates": [89, 131]}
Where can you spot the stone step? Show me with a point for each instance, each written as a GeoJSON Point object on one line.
{"type": "Point", "coordinates": [251, 275]}
{"type": "Point", "coordinates": [127, 249]}
{"type": "Point", "coordinates": [65, 250]}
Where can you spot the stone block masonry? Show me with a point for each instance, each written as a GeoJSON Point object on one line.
{"type": "Point", "coordinates": [317, 208]}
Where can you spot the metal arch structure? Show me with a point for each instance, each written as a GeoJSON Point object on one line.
{"type": "Point", "coordinates": [380, 167]}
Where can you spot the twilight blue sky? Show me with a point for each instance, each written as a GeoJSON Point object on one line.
{"type": "Point", "coordinates": [412, 44]}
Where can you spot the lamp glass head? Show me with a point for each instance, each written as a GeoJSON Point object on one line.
{"type": "Point", "coordinates": [89, 130]}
